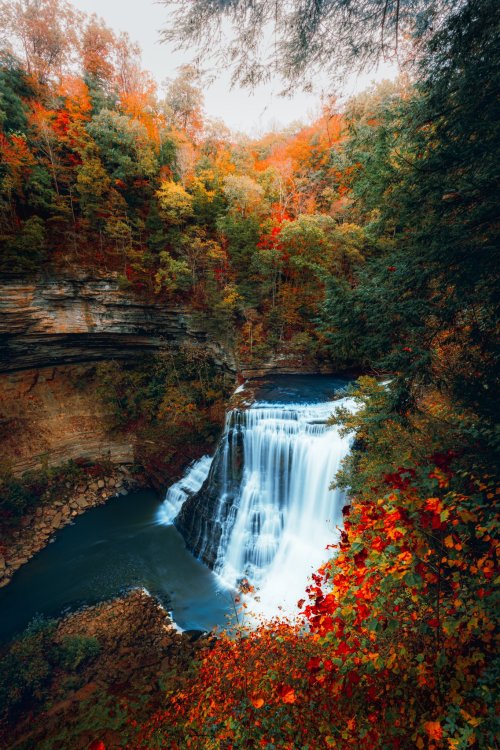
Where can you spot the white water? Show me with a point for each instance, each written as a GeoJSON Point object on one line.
{"type": "Point", "coordinates": [285, 513]}
{"type": "Point", "coordinates": [179, 492]}
{"type": "Point", "coordinates": [276, 509]}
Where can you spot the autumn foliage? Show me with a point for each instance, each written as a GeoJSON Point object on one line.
{"type": "Point", "coordinates": [365, 239]}
{"type": "Point", "coordinates": [103, 171]}
{"type": "Point", "coordinates": [393, 648]}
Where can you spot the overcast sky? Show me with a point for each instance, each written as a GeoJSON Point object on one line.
{"type": "Point", "coordinates": [240, 109]}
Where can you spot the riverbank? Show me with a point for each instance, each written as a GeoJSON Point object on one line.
{"type": "Point", "coordinates": [37, 528]}
{"type": "Point", "coordinates": [138, 654]}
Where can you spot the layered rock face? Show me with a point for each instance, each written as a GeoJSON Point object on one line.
{"type": "Point", "coordinates": [51, 331]}
{"type": "Point", "coordinates": [46, 416]}
{"type": "Point", "coordinates": [201, 519]}
{"type": "Point", "coordinates": [62, 321]}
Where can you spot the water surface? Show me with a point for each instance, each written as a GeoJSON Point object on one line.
{"type": "Point", "coordinates": [106, 551]}
{"type": "Point", "coordinates": [122, 545]}
{"type": "Point", "coordinates": [300, 389]}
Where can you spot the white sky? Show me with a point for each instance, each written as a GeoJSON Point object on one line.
{"type": "Point", "coordinates": [241, 110]}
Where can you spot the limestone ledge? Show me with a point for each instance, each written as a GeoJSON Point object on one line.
{"type": "Point", "coordinates": [57, 321]}
{"type": "Point", "coordinates": [37, 529]}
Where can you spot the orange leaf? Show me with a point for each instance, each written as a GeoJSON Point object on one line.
{"type": "Point", "coordinates": [433, 729]}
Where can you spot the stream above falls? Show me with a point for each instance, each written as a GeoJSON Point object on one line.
{"type": "Point", "coordinates": [273, 515]}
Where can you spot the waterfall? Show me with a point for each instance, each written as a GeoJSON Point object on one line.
{"type": "Point", "coordinates": [179, 492]}
{"type": "Point", "coordinates": [285, 513]}
{"type": "Point", "coordinates": [266, 511]}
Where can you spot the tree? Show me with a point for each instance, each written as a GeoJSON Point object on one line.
{"type": "Point", "coordinates": [124, 146]}
{"type": "Point", "coordinates": [93, 185]}
{"type": "Point", "coordinates": [42, 32]}
{"type": "Point", "coordinates": [98, 42]}
{"type": "Point", "coordinates": [243, 194]}
{"type": "Point", "coordinates": [184, 101]}
{"type": "Point", "coordinates": [309, 36]}
{"type": "Point", "coordinates": [173, 275]}
{"type": "Point", "coordinates": [176, 204]}
{"type": "Point", "coordinates": [241, 233]}
{"type": "Point", "coordinates": [25, 251]}
{"type": "Point", "coordinates": [424, 305]}
{"type": "Point", "coordinates": [15, 90]}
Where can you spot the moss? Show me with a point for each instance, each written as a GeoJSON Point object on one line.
{"type": "Point", "coordinates": [32, 660]}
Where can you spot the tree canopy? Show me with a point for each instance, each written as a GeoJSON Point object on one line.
{"type": "Point", "coordinates": [365, 240]}
{"type": "Point", "coordinates": [300, 38]}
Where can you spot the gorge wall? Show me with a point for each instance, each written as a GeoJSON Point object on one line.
{"type": "Point", "coordinates": [62, 321]}
{"type": "Point", "coordinates": [52, 332]}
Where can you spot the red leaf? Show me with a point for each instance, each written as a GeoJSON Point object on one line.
{"type": "Point", "coordinates": [287, 694]}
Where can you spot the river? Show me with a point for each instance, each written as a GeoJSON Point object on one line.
{"type": "Point", "coordinates": [281, 518]}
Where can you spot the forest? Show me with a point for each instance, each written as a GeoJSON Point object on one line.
{"type": "Point", "coordinates": [364, 241]}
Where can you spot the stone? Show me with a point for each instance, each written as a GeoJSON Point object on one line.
{"type": "Point", "coordinates": [100, 484]}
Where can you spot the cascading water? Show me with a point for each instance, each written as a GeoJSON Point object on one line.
{"type": "Point", "coordinates": [285, 513]}
{"type": "Point", "coordinates": [266, 511]}
{"type": "Point", "coordinates": [179, 492]}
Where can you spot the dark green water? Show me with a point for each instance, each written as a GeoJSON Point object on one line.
{"type": "Point", "coordinates": [108, 550]}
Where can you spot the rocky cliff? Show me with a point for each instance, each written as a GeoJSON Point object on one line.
{"type": "Point", "coordinates": [51, 332]}
{"type": "Point", "coordinates": [62, 321]}
{"type": "Point", "coordinates": [46, 416]}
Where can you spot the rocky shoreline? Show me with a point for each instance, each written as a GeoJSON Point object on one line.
{"type": "Point", "coordinates": [38, 528]}
{"type": "Point", "coordinates": [121, 623]}
{"type": "Point", "coordinates": [141, 655]}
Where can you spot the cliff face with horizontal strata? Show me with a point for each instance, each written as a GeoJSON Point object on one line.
{"type": "Point", "coordinates": [51, 332]}
{"type": "Point", "coordinates": [63, 321]}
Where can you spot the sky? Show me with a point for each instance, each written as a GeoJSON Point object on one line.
{"type": "Point", "coordinates": [250, 112]}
